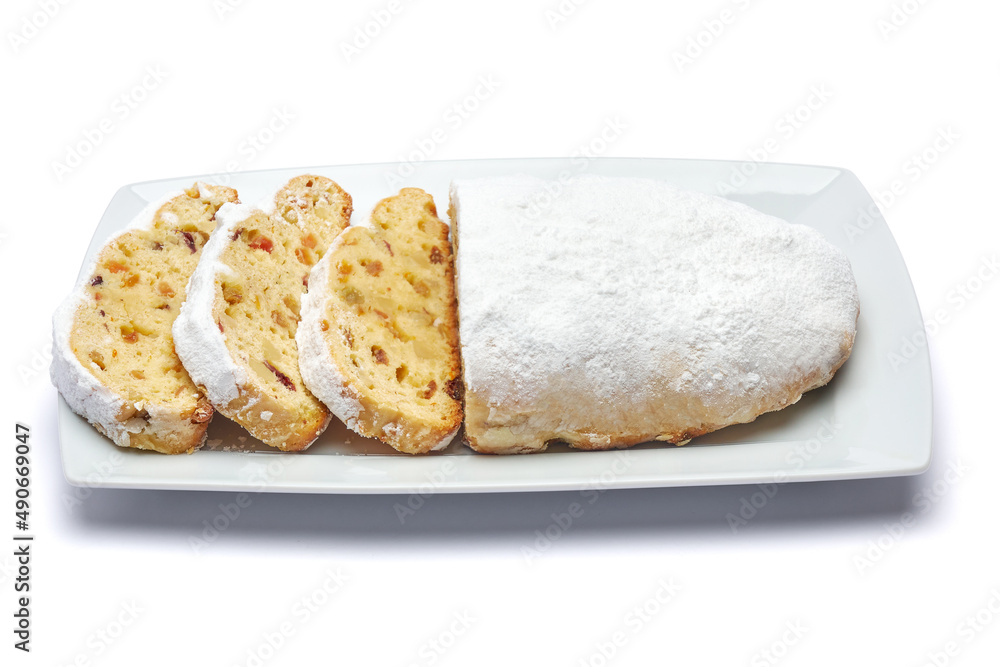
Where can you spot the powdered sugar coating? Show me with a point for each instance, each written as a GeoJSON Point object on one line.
{"type": "Point", "coordinates": [198, 341]}
{"type": "Point", "coordinates": [81, 390]}
{"type": "Point", "coordinates": [78, 386]}
{"type": "Point", "coordinates": [603, 311]}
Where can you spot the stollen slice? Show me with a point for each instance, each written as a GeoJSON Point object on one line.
{"type": "Point", "coordinates": [378, 341]}
{"type": "Point", "coordinates": [113, 353]}
{"type": "Point", "coordinates": [236, 331]}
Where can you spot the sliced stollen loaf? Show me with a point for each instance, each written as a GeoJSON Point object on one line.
{"type": "Point", "coordinates": [626, 310]}
{"type": "Point", "coordinates": [378, 341]}
{"type": "Point", "coordinates": [236, 331]}
{"type": "Point", "coordinates": [113, 354]}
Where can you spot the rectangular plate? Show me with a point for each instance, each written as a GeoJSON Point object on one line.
{"type": "Point", "coordinates": [872, 420]}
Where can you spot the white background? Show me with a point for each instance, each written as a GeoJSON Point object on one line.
{"type": "Point", "coordinates": [800, 562]}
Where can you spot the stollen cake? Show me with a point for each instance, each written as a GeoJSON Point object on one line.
{"type": "Point", "coordinates": [604, 312]}
{"type": "Point", "coordinates": [236, 331]}
{"type": "Point", "coordinates": [113, 354]}
{"type": "Point", "coordinates": [378, 341]}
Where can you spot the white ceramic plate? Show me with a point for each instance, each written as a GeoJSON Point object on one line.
{"type": "Point", "coordinates": [872, 420]}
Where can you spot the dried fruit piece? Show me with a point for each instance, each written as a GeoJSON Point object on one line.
{"type": "Point", "coordinates": [128, 334]}
{"type": "Point", "coordinates": [189, 241]}
{"type": "Point", "coordinates": [231, 293]}
{"type": "Point", "coordinates": [262, 243]}
{"type": "Point", "coordinates": [305, 256]}
{"type": "Point", "coordinates": [282, 378]}
{"type": "Point", "coordinates": [352, 296]}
